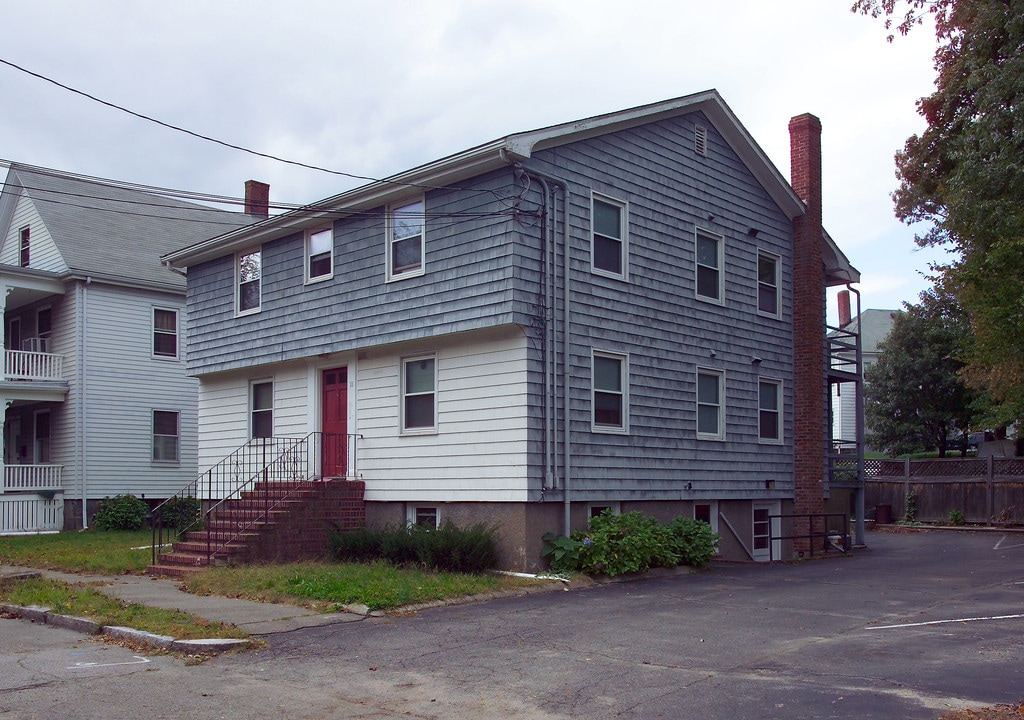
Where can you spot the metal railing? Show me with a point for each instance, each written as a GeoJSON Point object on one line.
{"type": "Point", "coordinates": [28, 478]}
{"type": "Point", "coordinates": [246, 487]}
{"type": "Point", "coordinates": [825, 530]}
{"type": "Point", "coordinates": [25, 365]}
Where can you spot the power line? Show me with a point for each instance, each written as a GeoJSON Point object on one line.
{"type": "Point", "coordinates": [224, 143]}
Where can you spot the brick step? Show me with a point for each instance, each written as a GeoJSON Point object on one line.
{"type": "Point", "coordinates": [183, 559]}
{"type": "Point", "coordinates": [199, 548]}
{"type": "Point", "coordinates": [217, 536]}
{"type": "Point", "coordinates": [257, 504]}
{"type": "Point", "coordinates": [178, 571]}
{"type": "Point", "coordinates": [273, 495]}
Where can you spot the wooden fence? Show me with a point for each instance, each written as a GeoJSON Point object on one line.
{"type": "Point", "coordinates": [984, 490]}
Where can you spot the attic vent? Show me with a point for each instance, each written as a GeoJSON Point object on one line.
{"type": "Point", "coordinates": [700, 140]}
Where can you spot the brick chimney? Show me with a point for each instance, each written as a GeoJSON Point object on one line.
{"type": "Point", "coordinates": [809, 385]}
{"type": "Point", "coordinates": [845, 317]}
{"type": "Point", "coordinates": [257, 198]}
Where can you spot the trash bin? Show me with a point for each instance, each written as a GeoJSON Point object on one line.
{"type": "Point", "coordinates": [883, 514]}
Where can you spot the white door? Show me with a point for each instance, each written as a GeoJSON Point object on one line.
{"type": "Point", "coordinates": [765, 528]}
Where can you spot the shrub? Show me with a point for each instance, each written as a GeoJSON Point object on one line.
{"type": "Point", "coordinates": [180, 512]}
{"type": "Point", "coordinates": [910, 502]}
{"type": "Point", "coordinates": [956, 517]}
{"type": "Point", "coordinates": [445, 549]}
{"type": "Point", "coordinates": [632, 542]}
{"type": "Point", "coordinates": [121, 512]}
{"type": "Point", "coordinates": [693, 541]}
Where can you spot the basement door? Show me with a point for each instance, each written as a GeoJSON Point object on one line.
{"type": "Point", "coordinates": [334, 422]}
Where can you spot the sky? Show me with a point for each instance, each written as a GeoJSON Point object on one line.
{"type": "Point", "coordinates": [376, 87]}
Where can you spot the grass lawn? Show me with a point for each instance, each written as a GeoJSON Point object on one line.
{"type": "Point", "coordinates": [89, 551]}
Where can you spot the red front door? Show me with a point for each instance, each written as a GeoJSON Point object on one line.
{"type": "Point", "coordinates": [334, 421]}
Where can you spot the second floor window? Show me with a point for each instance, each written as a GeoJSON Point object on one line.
{"type": "Point", "coordinates": [610, 398]}
{"type": "Point", "coordinates": [405, 241]}
{"type": "Point", "coordinates": [320, 254]}
{"type": "Point", "coordinates": [710, 405]}
{"type": "Point", "coordinates": [249, 274]}
{"type": "Point", "coordinates": [25, 246]}
{"type": "Point", "coordinates": [769, 410]}
{"type": "Point", "coordinates": [165, 333]}
{"type": "Point", "coordinates": [767, 284]}
{"type": "Point", "coordinates": [709, 266]}
{"type": "Point", "coordinates": [419, 383]}
{"type": "Point", "coordinates": [608, 238]}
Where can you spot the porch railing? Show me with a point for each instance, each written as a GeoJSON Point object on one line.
{"type": "Point", "coordinates": [30, 514]}
{"type": "Point", "coordinates": [32, 478]}
{"type": "Point", "coordinates": [24, 365]}
{"type": "Point", "coordinates": [258, 477]}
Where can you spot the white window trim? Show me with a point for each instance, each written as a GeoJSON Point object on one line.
{"type": "Point", "coordinates": [411, 511]}
{"type": "Point", "coordinates": [177, 450]}
{"type": "Point", "coordinates": [623, 358]}
{"type": "Point", "coordinates": [778, 399]}
{"type": "Point", "coordinates": [623, 207]}
{"type": "Point", "coordinates": [273, 404]}
{"type": "Point", "coordinates": [778, 284]}
{"type": "Point", "coordinates": [720, 239]}
{"type": "Point", "coordinates": [720, 435]}
{"type": "Point", "coordinates": [390, 275]}
{"type": "Point", "coordinates": [432, 430]}
{"type": "Point", "coordinates": [238, 282]}
{"type": "Point", "coordinates": [307, 254]}
{"type": "Point", "coordinates": [177, 334]}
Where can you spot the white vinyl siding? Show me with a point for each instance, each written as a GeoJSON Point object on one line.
{"type": "Point", "coordinates": [44, 253]}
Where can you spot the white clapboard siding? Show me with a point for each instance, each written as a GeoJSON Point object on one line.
{"type": "Point", "coordinates": [124, 384]}
{"type": "Point", "coordinates": [43, 253]}
{"type": "Point", "coordinates": [479, 452]}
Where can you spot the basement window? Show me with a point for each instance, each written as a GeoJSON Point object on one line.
{"type": "Point", "coordinates": [424, 516]}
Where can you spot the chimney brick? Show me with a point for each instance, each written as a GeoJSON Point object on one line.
{"type": "Point", "coordinates": [845, 317]}
{"type": "Point", "coordinates": [257, 198]}
{"type": "Point", "coordinates": [809, 391]}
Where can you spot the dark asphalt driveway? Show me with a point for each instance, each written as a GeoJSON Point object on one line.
{"type": "Point", "coordinates": [913, 625]}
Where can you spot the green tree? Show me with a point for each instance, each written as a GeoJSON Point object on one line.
{"type": "Point", "coordinates": [964, 175]}
{"type": "Point", "coordinates": [914, 396]}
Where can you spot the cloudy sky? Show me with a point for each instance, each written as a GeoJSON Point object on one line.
{"type": "Point", "coordinates": [378, 86]}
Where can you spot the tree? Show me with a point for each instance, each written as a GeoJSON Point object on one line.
{"type": "Point", "coordinates": [965, 176]}
{"type": "Point", "coordinates": [914, 396]}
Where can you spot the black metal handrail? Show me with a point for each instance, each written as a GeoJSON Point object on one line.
{"type": "Point", "coordinates": [258, 476]}
{"type": "Point", "coordinates": [825, 535]}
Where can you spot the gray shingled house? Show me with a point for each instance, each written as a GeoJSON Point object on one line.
{"type": "Point", "coordinates": [625, 312]}
{"type": "Point", "coordinates": [96, 400]}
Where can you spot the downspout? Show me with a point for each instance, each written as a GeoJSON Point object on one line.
{"type": "Point", "coordinates": [551, 184]}
{"type": "Point", "coordinates": [83, 417]}
{"type": "Point", "coordinates": [858, 527]}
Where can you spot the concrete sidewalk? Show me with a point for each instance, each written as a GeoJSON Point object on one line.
{"type": "Point", "coordinates": [255, 618]}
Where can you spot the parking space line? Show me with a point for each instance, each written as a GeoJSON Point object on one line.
{"type": "Point", "coordinates": [944, 622]}
{"type": "Point", "coordinates": [999, 545]}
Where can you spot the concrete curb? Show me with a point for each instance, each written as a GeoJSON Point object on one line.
{"type": "Point", "coordinates": [89, 627]}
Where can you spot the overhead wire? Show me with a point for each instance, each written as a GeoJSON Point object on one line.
{"type": "Point", "coordinates": [224, 143]}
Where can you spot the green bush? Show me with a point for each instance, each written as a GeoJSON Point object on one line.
{"type": "Point", "coordinates": [180, 512]}
{"type": "Point", "coordinates": [632, 542]}
{"type": "Point", "coordinates": [121, 512]}
{"type": "Point", "coordinates": [445, 549]}
{"type": "Point", "coordinates": [956, 517]}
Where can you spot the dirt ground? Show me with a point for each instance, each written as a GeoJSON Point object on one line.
{"type": "Point", "coordinates": [996, 712]}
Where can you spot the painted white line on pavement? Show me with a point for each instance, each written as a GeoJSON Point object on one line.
{"type": "Point", "coordinates": [84, 665]}
{"type": "Point", "coordinates": [999, 545]}
{"type": "Point", "coordinates": [944, 622]}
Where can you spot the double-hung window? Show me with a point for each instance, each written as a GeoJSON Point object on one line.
{"type": "Point", "coordinates": [710, 404]}
{"type": "Point", "coordinates": [166, 436]}
{"type": "Point", "coordinates": [319, 254]}
{"type": "Point", "coordinates": [767, 284]}
{"type": "Point", "coordinates": [25, 255]}
{"type": "Point", "coordinates": [405, 240]}
{"type": "Point", "coordinates": [608, 244]}
{"type": "Point", "coordinates": [249, 276]}
{"type": "Point", "coordinates": [769, 411]}
{"type": "Point", "coordinates": [610, 387]}
{"type": "Point", "coordinates": [261, 408]}
{"type": "Point", "coordinates": [709, 266]}
{"type": "Point", "coordinates": [419, 394]}
{"type": "Point", "coordinates": [165, 333]}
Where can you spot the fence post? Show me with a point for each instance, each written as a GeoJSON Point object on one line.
{"type": "Point", "coordinates": [990, 489]}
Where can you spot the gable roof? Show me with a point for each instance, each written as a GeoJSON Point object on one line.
{"type": "Point", "coordinates": [501, 152]}
{"type": "Point", "coordinates": [110, 232]}
{"type": "Point", "coordinates": [873, 326]}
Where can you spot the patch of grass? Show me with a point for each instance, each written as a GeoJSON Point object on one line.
{"type": "Point", "coordinates": [90, 551]}
{"type": "Point", "coordinates": [325, 586]}
{"type": "Point", "coordinates": [82, 600]}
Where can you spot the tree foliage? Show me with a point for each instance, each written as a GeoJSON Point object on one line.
{"type": "Point", "coordinates": [964, 175]}
{"type": "Point", "coordinates": [914, 396]}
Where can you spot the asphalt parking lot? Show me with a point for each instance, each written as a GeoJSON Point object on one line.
{"type": "Point", "coordinates": [909, 627]}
